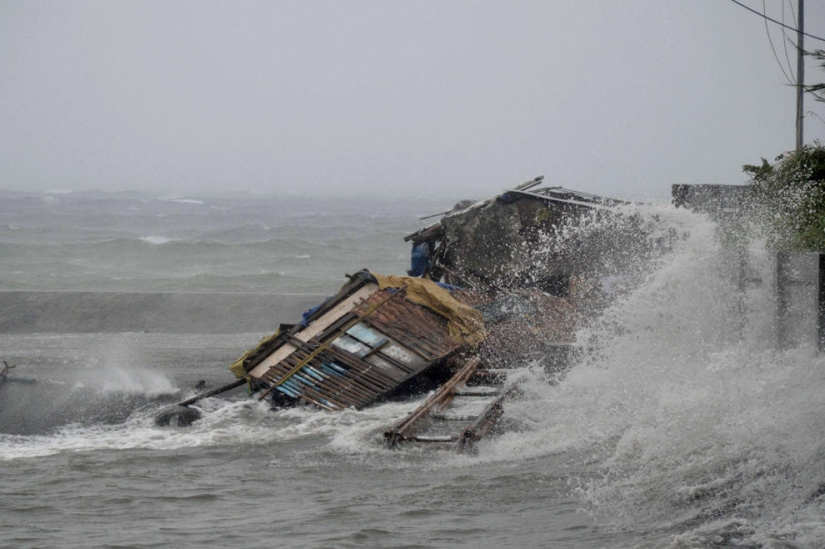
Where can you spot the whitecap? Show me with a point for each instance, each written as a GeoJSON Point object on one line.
{"type": "Point", "coordinates": [154, 239]}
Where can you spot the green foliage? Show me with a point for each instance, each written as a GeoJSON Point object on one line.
{"type": "Point", "coordinates": [791, 196]}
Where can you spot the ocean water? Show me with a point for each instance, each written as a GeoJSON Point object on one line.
{"type": "Point", "coordinates": [677, 427]}
{"type": "Point", "coordinates": [131, 242]}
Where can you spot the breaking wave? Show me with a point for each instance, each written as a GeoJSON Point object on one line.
{"type": "Point", "coordinates": [696, 426]}
{"type": "Point", "coordinates": [155, 239]}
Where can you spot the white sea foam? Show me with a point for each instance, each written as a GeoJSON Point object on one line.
{"type": "Point", "coordinates": [155, 239]}
{"type": "Point", "coordinates": [241, 423]}
{"type": "Point", "coordinates": [187, 201]}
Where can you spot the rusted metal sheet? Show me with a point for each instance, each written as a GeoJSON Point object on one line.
{"type": "Point", "coordinates": [413, 326]}
{"type": "Point", "coordinates": [361, 346]}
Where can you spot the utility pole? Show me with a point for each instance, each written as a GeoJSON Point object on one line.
{"type": "Point", "coordinates": [800, 73]}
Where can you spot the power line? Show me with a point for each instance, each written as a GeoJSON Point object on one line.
{"type": "Point", "coordinates": [793, 14]}
{"type": "Point", "coordinates": [785, 36]}
{"type": "Point", "coordinates": [777, 22]}
{"type": "Point", "coordinates": [790, 80]}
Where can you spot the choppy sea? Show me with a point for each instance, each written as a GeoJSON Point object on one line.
{"type": "Point", "coordinates": [671, 431]}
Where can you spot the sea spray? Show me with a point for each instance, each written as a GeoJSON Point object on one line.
{"type": "Point", "coordinates": [698, 426]}
{"type": "Point", "coordinates": [119, 365]}
{"type": "Point", "coordinates": [676, 427]}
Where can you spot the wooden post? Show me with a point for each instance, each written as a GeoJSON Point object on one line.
{"type": "Point", "coordinates": [213, 392]}
{"type": "Point", "coordinates": [800, 75]}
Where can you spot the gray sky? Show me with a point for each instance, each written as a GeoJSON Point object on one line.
{"type": "Point", "coordinates": [416, 98]}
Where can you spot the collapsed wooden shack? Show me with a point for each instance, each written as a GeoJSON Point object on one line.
{"type": "Point", "coordinates": [381, 337]}
{"type": "Point", "coordinates": [524, 237]}
{"type": "Point", "coordinates": [378, 336]}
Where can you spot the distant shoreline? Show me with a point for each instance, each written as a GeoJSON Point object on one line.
{"type": "Point", "coordinates": [66, 311]}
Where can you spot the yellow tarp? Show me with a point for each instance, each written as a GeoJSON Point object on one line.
{"type": "Point", "coordinates": [464, 323]}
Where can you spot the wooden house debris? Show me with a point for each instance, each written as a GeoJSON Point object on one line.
{"type": "Point", "coordinates": [517, 239]}
{"type": "Point", "coordinates": [539, 260]}
{"type": "Point", "coordinates": [376, 337]}
{"type": "Point", "coordinates": [493, 284]}
{"type": "Point", "coordinates": [525, 326]}
{"type": "Point", "coordinates": [447, 419]}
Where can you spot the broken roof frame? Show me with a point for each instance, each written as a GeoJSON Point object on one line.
{"type": "Point", "coordinates": [362, 344]}
{"type": "Point", "coordinates": [557, 194]}
{"type": "Point", "coordinates": [480, 245]}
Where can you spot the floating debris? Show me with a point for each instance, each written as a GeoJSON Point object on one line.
{"type": "Point", "coordinates": [5, 375]}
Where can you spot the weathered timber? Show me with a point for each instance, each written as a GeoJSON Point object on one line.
{"type": "Point", "coordinates": [436, 402]}
{"type": "Point", "coordinates": [485, 420]}
{"type": "Point", "coordinates": [213, 392]}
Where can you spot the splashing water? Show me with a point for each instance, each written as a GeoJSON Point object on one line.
{"type": "Point", "coordinates": [144, 381]}
{"type": "Point", "coordinates": [694, 429]}
{"type": "Point", "coordinates": [698, 425]}
{"type": "Point", "coordinates": [102, 385]}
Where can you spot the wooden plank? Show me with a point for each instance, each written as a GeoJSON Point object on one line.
{"type": "Point", "coordinates": [313, 329]}
{"type": "Point", "coordinates": [438, 399]}
{"type": "Point", "coordinates": [479, 427]}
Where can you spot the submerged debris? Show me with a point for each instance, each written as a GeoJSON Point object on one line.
{"type": "Point", "coordinates": [4, 373]}
{"type": "Point", "coordinates": [177, 416]}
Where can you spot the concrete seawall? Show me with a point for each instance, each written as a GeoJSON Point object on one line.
{"type": "Point", "coordinates": [114, 312]}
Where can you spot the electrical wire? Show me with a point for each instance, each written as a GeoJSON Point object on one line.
{"type": "Point", "coordinates": [784, 35]}
{"type": "Point", "coordinates": [793, 13]}
{"type": "Point", "coordinates": [791, 80]}
{"type": "Point", "coordinates": [777, 22]}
